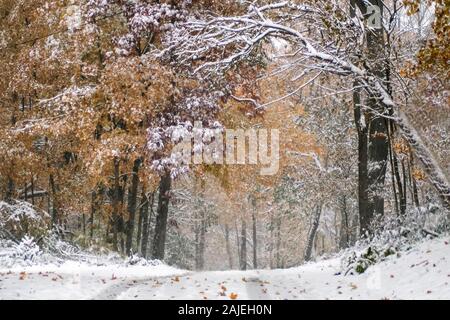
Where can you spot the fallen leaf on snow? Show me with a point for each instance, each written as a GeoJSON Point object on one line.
{"type": "Point", "coordinates": [233, 295]}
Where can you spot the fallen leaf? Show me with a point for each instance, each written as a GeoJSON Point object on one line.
{"type": "Point", "coordinates": [233, 295]}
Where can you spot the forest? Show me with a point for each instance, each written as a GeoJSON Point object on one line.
{"type": "Point", "coordinates": [213, 135]}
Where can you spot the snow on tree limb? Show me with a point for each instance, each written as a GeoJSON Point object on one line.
{"type": "Point", "coordinates": [230, 40]}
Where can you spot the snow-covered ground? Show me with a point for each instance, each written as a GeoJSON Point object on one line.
{"type": "Point", "coordinates": [419, 273]}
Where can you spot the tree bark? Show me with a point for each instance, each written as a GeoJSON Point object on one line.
{"type": "Point", "coordinates": [140, 221]}
{"type": "Point", "coordinates": [361, 127]}
{"type": "Point", "coordinates": [32, 189]}
{"type": "Point", "coordinates": [93, 210]}
{"type": "Point", "coordinates": [115, 204]}
{"type": "Point", "coordinates": [255, 251]}
{"type": "Point", "coordinates": [312, 233]}
{"type": "Point", "coordinates": [391, 160]}
{"type": "Point", "coordinates": [159, 239]}
{"type": "Point", "coordinates": [145, 223]}
{"type": "Point", "coordinates": [9, 190]}
{"type": "Point", "coordinates": [132, 199]}
{"type": "Point", "coordinates": [344, 239]}
{"type": "Point", "coordinates": [414, 184]}
{"type": "Point", "coordinates": [200, 243]}
{"type": "Point", "coordinates": [238, 242]}
{"type": "Point", "coordinates": [278, 243]}
{"type": "Point", "coordinates": [378, 126]}
{"type": "Point", "coordinates": [243, 257]}
{"type": "Point", "coordinates": [227, 246]}
{"type": "Point", "coordinates": [54, 201]}
{"type": "Point", "coordinates": [372, 137]}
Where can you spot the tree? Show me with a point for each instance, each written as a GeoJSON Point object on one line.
{"type": "Point", "coordinates": [344, 55]}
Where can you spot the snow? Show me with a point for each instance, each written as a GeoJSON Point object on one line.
{"type": "Point", "coordinates": [75, 280]}
{"type": "Point", "coordinates": [422, 272]}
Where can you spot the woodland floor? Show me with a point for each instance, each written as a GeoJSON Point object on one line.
{"type": "Point", "coordinates": [422, 272]}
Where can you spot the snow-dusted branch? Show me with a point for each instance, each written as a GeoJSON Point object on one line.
{"type": "Point", "coordinates": [216, 43]}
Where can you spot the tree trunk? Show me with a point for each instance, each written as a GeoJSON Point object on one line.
{"type": "Point", "coordinates": [132, 199]}
{"type": "Point", "coordinates": [145, 224]}
{"type": "Point", "coordinates": [200, 241]}
{"type": "Point", "coordinates": [344, 239]}
{"type": "Point", "coordinates": [115, 204]}
{"type": "Point", "coordinates": [401, 194]}
{"type": "Point", "coordinates": [405, 185]}
{"type": "Point", "coordinates": [271, 264]}
{"type": "Point", "coordinates": [140, 220]}
{"type": "Point", "coordinates": [378, 156]}
{"type": "Point", "coordinates": [391, 160]}
{"type": "Point", "coordinates": [238, 242]}
{"type": "Point", "coordinates": [93, 210]}
{"type": "Point", "coordinates": [228, 248]}
{"type": "Point", "coordinates": [32, 189]}
{"type": "Point", "coordinates": [378, 126]}
{"type": "Point", "coordinates": [312, 233]}
{"type": "Point", "coordinates": [373, 145]}
{"type": "Point", "coordinates": [414, 184]}
{"type": "Point", "coordinates": [361, 127]}
{"type": "Point", "coordinates": [255, 251]}
{"type": "Point", "coordinates": [84, 225]}
{"type": "Point", "coordinates": [278, 243]}
{"type": "Point", "coordinates": [9, 190]}
{"type": "Point", "coordinates": [159, 239]}
{"type": "Point", "coordinates": [54, 201]}
{"type": "Point", "coordinates": [243, 259]}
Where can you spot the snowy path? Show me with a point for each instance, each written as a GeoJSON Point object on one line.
{"type": "Point", "coordinates": [421, 273]}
